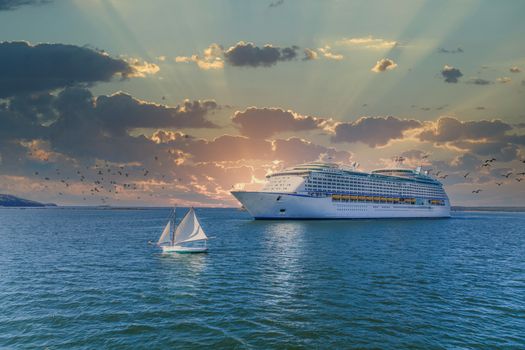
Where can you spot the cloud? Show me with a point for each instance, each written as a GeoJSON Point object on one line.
{"type": "Point", "coordinates": [212, 58]}
{"type": "Point", "coordinates": [373, 131]}
{"type": "Point", "coordinates": [244, 54]}
{"type": "Point", "coordinates": [13, 4]}
{"type": "Point", "coordinates": [482, 137]}
{"type": "Point", "coordinates": [141, 68]}
{"type": "Point", "coordinates": [451, 74]}
{"type": "Point", "coordinates": [447, 129]}
{"type": "Point", "coordinates": [265, 122]}
{"type": "Point", "coordinates": [479, 81]}
{"type": "Point", "coordinates": [514, 69]}
{"type": "Point", "coordinates": [327, 53]}
{"type": "Point", "coordinates": [122, 111]}
{"type": "Point", "coordinates": [79, 125]}
{"type": "Point", "coordinates": [368, 42]}
{"type": "Point", "coordinates": [276, 3]}
{"type": "Point", "coordinates": [242, 148]}
{"type": "Point", "coordinates": [504, 80]}
{"type": "Point", "coordinates": [383, 65]}
{"type": "Point", "coordinates": [414, 154]}
{"type": "Point", "coordinates": [310, 55]}
{"type": "Point", "coordinates": [443, 50]}
{"type": "Point", "coordinates": [296, 150]}
{"type": "Point", "coordinates": [26, 68]}
{"type": "Point", "coordinates": [503, 151]}
{"type": "Point", "coordinates": [248, 55]}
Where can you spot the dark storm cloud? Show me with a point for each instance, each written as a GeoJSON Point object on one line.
{"type": "Point", "coordinates": [451, 129]}
{"type": "Point", "coordinates": [121, 112]}
{"type": "Point", "coordinates": [77, 124]}
{"type": "Point", "coordinates": [502, 151]}
{"type": "Point", "coordinates": [13, 4]}
{"type": "Point", "coordinates": [265, 122]}
{"type": "Point", "coordinates": [479, 81]}
{"type": "Point", "coordinates": [248, 55]}
{"type": "Point", "coordinates": [482, 138]}
{"type": "Point", "coordinates": [451, 74]}
{"type": "Point", "coordinates": [26, 68]}
{"type": "Point", "coordinates": [373, 131]}
{"type": "Point", "coordinates": [443, 50]}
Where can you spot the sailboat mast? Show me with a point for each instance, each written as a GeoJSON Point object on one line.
{"type": "Point", "coordinates": [173, 228]}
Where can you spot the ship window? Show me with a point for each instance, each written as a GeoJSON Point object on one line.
{"type": "Point", "coordinates": [282, 210]}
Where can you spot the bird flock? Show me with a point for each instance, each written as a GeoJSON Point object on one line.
{"type": "Point", "coordinates": [487, 163]}
{"type": "Point", "coordinates": [105, 181]}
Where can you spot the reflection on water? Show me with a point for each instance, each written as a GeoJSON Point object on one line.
{"type": "Point", "coordinates": [284, 244]}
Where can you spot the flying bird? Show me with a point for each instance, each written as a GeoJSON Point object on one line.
{"type": "Point", "coordinates": [485, 164]}
{"type": "Point", "coordinates": [465, 176]}
{"type": "Point", "coordinates": [519, 179]}
{"type": "Point", "coordinates": [490, 160]}
{"type": "Point", "coordinates": [444, 176]}
{"type": "Point", "coordinates": [499, 183]}
{"type": "Point", "coordinates": [477, 191]}
{"type": "Point", "coordinates": [507, 175]}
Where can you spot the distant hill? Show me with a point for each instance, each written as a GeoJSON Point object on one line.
{"type": "Point", "coordinates": [7, 200]}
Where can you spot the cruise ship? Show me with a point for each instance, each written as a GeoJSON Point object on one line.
{"type": "Point", "coordinates": [329, 191]}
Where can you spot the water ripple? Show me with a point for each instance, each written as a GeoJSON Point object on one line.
{"type": "Point", "coordinates": [86, 279]}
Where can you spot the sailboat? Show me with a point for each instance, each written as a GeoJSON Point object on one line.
{"type": "Point", "coordinates": [187, 237]}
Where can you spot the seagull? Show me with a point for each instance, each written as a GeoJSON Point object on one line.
{"type": "Point", "coordinates": [485, 164]}
{"type": "Point", "coordinates": [437, 173]}
{"type": "Point", "coordinates": [465, 176]}
{"type": "Point", "coordinates": [477, 191]}
{"type": "Point", "coordinates": [424, 156]}
{"type": "Point", "coordinates": [519, 179]}
{"type": "Point", "coordinates": [520, 174]}
{"type": "Point", "coordinates": [499, 183]}
{"type": "Point", "coordinates": [444, 176]}
{"type": "Point", "coordinates": [490, 160]}
{"type": "Point", "coordinates": [507, 175]}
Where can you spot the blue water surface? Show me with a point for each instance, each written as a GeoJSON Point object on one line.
{"type": "Point", "coordinates": [87, 279]}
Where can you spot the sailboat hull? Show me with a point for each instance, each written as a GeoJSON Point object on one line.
{"type": "Point", "coordinates": [183, 250]}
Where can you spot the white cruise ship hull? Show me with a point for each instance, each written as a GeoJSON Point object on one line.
{"type": "Point", "coordinates": [268, 205]}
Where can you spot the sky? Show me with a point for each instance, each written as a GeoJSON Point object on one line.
{"type": "Point", "coordinates": [161, 102]}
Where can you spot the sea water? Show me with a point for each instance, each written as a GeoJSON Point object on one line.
{"type": "Point", "coordinates": [87, 279]}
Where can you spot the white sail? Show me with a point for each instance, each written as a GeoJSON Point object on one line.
{"type": "Point", "coordinates": [165, 236]}
{"type": "Point", "coordinates": [189, 229]}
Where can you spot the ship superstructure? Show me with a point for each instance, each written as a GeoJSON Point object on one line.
{"type": "Point", "coordinates": [326, 190]}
